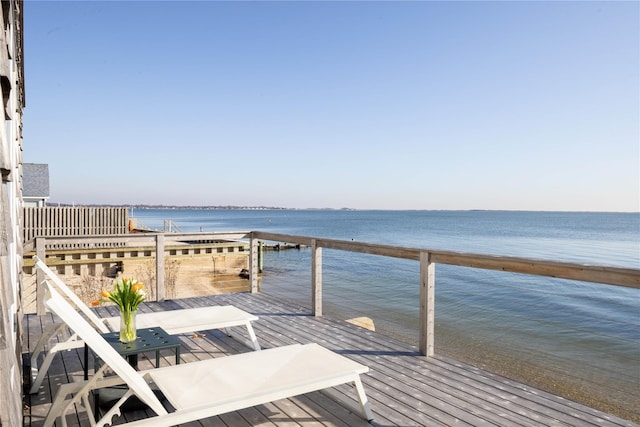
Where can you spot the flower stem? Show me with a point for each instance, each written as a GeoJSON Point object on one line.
{"type": "Point", "coordinates": [127, 325]}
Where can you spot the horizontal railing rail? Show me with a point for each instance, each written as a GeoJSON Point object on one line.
{"type": "Point", "coordinates": [618, 276]}
{"type": "Point", "coordinates": [99, 241]}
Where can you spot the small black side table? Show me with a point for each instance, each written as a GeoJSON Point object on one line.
{"type": "Point", "coordinates": [149, 339]}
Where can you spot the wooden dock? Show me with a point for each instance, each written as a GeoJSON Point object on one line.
{"type": "Point", "coordinates": [405, 388]}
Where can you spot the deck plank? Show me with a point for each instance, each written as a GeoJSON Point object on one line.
{"type": "Point", "coordinates": [405, 388]}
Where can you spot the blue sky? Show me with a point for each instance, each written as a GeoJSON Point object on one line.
{"type": "Point", "coordinates": [367, 105]}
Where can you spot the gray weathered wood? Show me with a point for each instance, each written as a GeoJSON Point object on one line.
{"type": "Point", "coordinates": [253, 264]}
{"type": "Point", "coordinates": [627, 277]}
{"type": "Point", "coordinates": [405, 388]}
{"type": "Point", "coordinates": [160, 288]}
{"type": "Point", "coordinates": [316, 278]}
{"type": "Point", "coordinates": [427, 304]}
{"type": "Point", "coordinates": [74, 221]}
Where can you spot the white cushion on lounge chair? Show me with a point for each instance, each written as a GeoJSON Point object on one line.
{"type": "Point", "coordinates": [172, 321]}
{"type": "Point", "coordinates": [183, 320]}
{"type": "Point", "coordinates": [293, 369]}
{"type": "Point", "coordinates": [206, 388]}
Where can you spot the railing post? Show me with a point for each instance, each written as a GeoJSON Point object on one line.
{"type": "Point", "coordinates": [253, 264]}
{"type": "Point", "coordinates": [42, 254]}
{"type": "Point", "coordinates": [159, 267]}
{"type": "Point", "coordinates": [427, 304]}
{"type": "Point", "coordinates": [316, 278]}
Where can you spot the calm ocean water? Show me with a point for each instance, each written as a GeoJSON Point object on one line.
{"type": "Point", "coordinates": [588, 333]}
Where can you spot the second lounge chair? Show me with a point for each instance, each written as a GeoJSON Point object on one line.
{"type": "Point", "coordinates": [172, 321]}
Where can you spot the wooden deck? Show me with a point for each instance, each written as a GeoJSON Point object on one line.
{"type": "Point", "coordinates": [405, 389]}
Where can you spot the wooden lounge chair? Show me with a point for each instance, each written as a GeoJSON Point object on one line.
{"type": "Point", "coordinates": [172, 321]}
{"type": "Point", "coordinates": [205, 388]}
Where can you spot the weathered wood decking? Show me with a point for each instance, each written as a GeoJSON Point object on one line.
{"type": "Point", "coordinates": [405, 389]}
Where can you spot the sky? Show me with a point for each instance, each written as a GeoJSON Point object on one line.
{"type": "Point", "coordinates": [329, 104]}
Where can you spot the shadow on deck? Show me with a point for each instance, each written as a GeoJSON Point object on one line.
{"type": "Point", "coordinates": [405, 388]}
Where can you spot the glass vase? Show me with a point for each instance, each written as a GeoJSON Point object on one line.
{"type": "Point", "coordinates": [127, 326]}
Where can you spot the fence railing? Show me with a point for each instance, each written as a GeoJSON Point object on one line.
{"type": "Point", "coordinates": [626, 277]}
{"type": "Point", "coordinates": [74, 221]}
{"type": "Point", "coordinates": [618, 276]}
{"type": "Point", "coordinates": [156, 242]}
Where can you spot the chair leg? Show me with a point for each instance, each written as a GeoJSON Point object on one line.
{"type": "Point", "coordinates": [58, 407]}
{"type": "Point", "coordinates": [36, 380]}
{"type": "Point", "coordinates": [363, 407]}
{"type": "Point", "coordinates": [79, 393]}
{"type": "Point", "coordinates": [38, 372]}
{"type": "Point", "coordinates": [39, 377]}
{"type": "Point", "coordinates": [362, 398]}
{"type": "Point", "coordinates": [252, 341]}
{"type": "Point", "coordinates": [48, 333]}
{"type": "Point", "coordinates": [252, 337]}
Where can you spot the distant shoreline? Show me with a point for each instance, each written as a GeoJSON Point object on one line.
{"type": "Point", "coordinates": [173, 207]}
{"type": "Point", "coordinates": [278, 208]}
